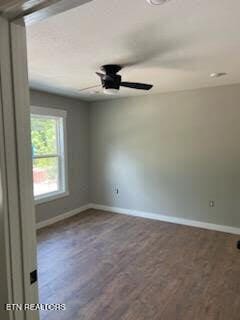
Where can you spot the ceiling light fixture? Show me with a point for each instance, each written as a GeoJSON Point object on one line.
{"type": "Point", "coordinates": [218, 74]}
{"type": "Point", "coordinates": [110, 91]}
{"type": "Point", "coordinates": [156, 2]}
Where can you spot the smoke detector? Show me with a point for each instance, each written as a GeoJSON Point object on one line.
{"type": "Point", "coordinates": [156, 2]}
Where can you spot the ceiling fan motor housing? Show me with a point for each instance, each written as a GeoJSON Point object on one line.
{"type": "Point", "coordinates": [111, 80]}
{"type": "Point", "coordinates": [111, 69]}
{"type": "Point", "coordinates": [111, 83]}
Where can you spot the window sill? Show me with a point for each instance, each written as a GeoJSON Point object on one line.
{"type": "Point", "coordinates": [51, 197]}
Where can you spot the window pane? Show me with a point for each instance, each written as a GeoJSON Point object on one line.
{"type": "Point", "coordinates": [45, 175]}
{"type": "Point", "coordinates": [44, 135]}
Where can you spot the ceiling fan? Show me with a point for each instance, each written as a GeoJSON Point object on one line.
{"type": "Point", "coordinates": [112, 81]}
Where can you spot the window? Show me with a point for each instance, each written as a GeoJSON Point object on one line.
{"type": "Point", "coordinates": [49, 153]}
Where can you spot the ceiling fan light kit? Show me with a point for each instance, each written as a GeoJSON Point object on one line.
{"type": "Point", "coordinates": [110, 91]}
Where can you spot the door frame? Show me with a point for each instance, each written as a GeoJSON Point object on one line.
{"type": "Point", "coordinates": [17, 212]}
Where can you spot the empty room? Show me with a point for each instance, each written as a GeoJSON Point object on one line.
{"type": "Point", "coordinates": [133, 161]}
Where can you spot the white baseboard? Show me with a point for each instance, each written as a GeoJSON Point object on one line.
{"type": "Point", "coordinates": [142, 214]}
{"type": "Point", "coordinates": [63, 216]}
{"type": "Point", "coordinates": [160, 217]}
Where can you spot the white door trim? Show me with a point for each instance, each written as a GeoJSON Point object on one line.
{"type": "Point", "coordinates": [11, 208]}
{"type": "Point", "coordinates": [24, 159]}
{"type": "Point", "coordinates": [17, 214]}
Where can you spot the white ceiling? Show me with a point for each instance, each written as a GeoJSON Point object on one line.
{"type": "Point", "coordinates": [176, 46]}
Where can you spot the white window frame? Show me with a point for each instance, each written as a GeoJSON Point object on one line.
{"type": "Point", "coordinates": [61, 115]}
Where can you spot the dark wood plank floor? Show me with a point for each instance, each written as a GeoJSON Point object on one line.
{"type": "Point", "coordinates": [106, 266]}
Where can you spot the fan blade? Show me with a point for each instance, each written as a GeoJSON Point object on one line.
{"type": "Point", "coordinates": [135, 85]}
{"type": "Point", "coordinates": [88, 88]}
{"type": "Point", "coordinates": [101, 75]}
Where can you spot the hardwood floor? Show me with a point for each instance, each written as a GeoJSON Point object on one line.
{"type": "Point", "coordinates": [105, 266]}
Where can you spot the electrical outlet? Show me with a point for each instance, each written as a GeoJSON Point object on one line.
{"type": "Point", "coordinates": [116, 191]}
{"type": "Point", "coordinates": [211, 203]}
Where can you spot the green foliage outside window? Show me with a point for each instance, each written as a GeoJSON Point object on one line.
{"type": "Point", "coordinates": [44, 140]}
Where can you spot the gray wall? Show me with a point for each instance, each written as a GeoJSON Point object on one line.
{"type": "Point", "coordinates": [169, 154]}
{"type": "Point", "coordinates": [78, 155]}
